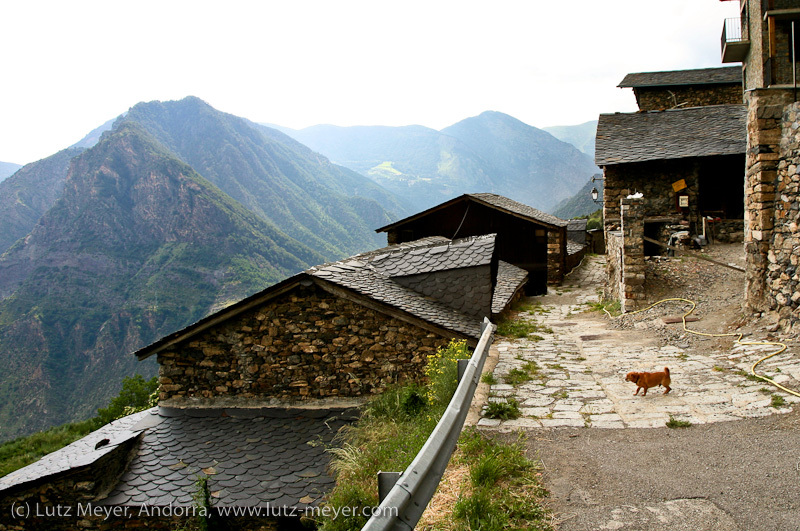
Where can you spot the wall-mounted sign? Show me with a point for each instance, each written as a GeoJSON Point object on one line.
{"type": "Point", "coordinates": [677, 186]}
{"type": "Point", "coordinates": [683, 201]}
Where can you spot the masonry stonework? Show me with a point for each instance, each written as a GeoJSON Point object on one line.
{"type": "Point", "coordinates": [764, 115]}
{"type": "Point", "coordinates": [654, 180]}
{"type": "Point", "coordinates": [783, 257]}
{"type": "Point", "coordinates": [306, 344]}
{"type": "Point", "coordinates": [556, 255]}
{"type": "Point", "coordinates": [661, 98]}
{"type": "Point", "coordinates": [625, 266]}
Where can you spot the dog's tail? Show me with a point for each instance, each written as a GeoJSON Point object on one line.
{"type": "Point", "coordinates": [666, 370]}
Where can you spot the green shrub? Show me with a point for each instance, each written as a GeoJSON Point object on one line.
{"type": "Point", "coordinates": [503, 410]}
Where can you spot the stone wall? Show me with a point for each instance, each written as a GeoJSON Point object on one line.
{"type": "Point", "coordinates": [662, 98]}
{"type": "Point", "coordinates": [764, 115]}
{"type": "Point", "coordinates": [556, 255]}
{"type": "Point", "coordinates": [305, 344]}
{"type": "Point", "coordinates": [614, 249]}
{"type": "Point", "coordinates": [783, 280]}
{"type": "Point", "coordinates": [654, 180]}
{"type": "Point", "coordinates": [625, 266]}
{"type": "Point", "coordinates": [726, 231]}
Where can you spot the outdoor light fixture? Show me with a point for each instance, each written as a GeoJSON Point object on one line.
{"type": "Point", "coordinates": [594, 192]}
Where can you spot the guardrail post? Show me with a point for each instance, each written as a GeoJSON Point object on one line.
{"type": "Point", "coordinates": [462, 368]}
{"type": "Point", "coordinates": [386, 481]}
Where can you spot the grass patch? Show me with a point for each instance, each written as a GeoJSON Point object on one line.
{"type": "Point", "coordinates": [25, 450]}
{"type": "Point", "coordinates": [717, 368]}
{"type": "Point", "coordinates": [516, 377]}
{"type": "Point", "coordinates": [677, 423]}
{"type": "Point", "coordinates": [561, 394]}
{"type": "Point", "coordinates": [504, 490]}
{"type": "Point", "coordinates": [488, 378]}
{"type": "Point", "coordinates": [612, 307]}
{"type": "Point", "coordinates": [520, 375]}
{"type": "Point", "coordinates": [392, 429]}
{"type": "Point", "coordinates": [503, 410]}
{"type": "Point", "coordinates": [778, 401]}
{"type": "Point", "coordinates": [750, 376]}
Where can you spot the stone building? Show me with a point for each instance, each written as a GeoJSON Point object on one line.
{"type": "Point", "coordinates": [252, 395]}
{"type": "Point", "coordinates": [526, 237]}
{"type": "Point", "coordinates": [659, 91]}
{"type": "Point", "coordinates": [761, 39]}
{"type": "Point", "coordinates": [687, 163]}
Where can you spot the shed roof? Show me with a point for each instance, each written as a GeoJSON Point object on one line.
{"type": "Point", "coordinates": [672, 134]}
{"type": "Point", "coordinates": [497, 202]}
{"type": "Point", "coordinates": [702, 76]}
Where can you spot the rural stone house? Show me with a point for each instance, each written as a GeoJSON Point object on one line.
{"type": "Point", "coordinates": [659, 91]}
{"type": "Point", "coordinates": [761, 40]}
{"type": "Point", "coordinates": [526, 237]}
{"type": "Point", "coordinates": [252, 395]}
{"type": "Point", "coordinates": [687, 161]}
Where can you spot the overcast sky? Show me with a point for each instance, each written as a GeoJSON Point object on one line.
{"type": "Point", "coordinates": [67, 67]}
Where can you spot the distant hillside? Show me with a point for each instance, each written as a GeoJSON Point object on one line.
{"type": "Point", "coordinates": [581, 136]}
{"type": "Point", "coordinates": [329, 208]}
{"type": "Point", "coordinates": [7, 169]}
{"type": "Point", "coordinates": [138, 246]}
{"type": "Point", "coordinates": [29, 193]}
{"type": "Point", "coordinates": [529, 165]}
{"type": "Point", "coordinates": [492, 152]}
{"type": "Point", "coordinates": [581, 203]}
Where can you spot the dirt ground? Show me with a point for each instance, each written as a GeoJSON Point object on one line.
{"type": "Point", "coordinates": [737, 475]}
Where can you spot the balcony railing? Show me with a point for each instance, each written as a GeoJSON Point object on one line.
{"type": "Point", "coordinates": [735, 41]}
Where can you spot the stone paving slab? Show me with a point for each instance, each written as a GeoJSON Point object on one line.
{"type": "Point", "coordinates": [578, 366]}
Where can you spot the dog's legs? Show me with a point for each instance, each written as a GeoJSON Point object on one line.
{"type": "Point", "coordinates": [668, 389]}
{"type": "Point", "coordinates": [637, 391]}
{"type": "Point", "coordinates": [645, 392]}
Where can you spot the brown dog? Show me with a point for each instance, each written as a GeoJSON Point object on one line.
{"type": "Point", "coordinates": [645, 380]}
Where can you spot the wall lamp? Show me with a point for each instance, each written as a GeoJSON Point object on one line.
{"type": "Point", "coordinates": [594, 192]}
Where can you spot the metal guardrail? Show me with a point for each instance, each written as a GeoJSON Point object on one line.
{"type": "Point", "coordinates": [406, 501]}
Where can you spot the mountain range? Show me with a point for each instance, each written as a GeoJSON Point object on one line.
{"type": "Point", "coordinates": [492, 152]}
{"type": "Point", "coordinates": [175, 212]}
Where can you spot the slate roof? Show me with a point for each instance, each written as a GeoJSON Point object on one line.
{"type": "Point", "coordinates": [510, 279]}
{"type": "Point", "coordinates": [253, 457]}
{"type": "Point", "coordinates": [701, 76]}
{"type": "Point", "coordinates": [672, 134]}
{"type": "Point", "coordinates": [370, 274]}
{"type": "Point", "coordinates": [515, 207]}
{"type": "Point", "coordinates": [576, 225]}
{"type": "Point", "coordinates": [495, 201]}
{"type": "Point", "coordinates": [80, 453]}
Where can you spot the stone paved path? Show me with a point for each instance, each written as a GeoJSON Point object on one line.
{"type": "Point", "coordinates": [580, 365]}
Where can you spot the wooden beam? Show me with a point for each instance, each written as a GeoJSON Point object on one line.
{"type": "Point", "coordinates": [695, 255]}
